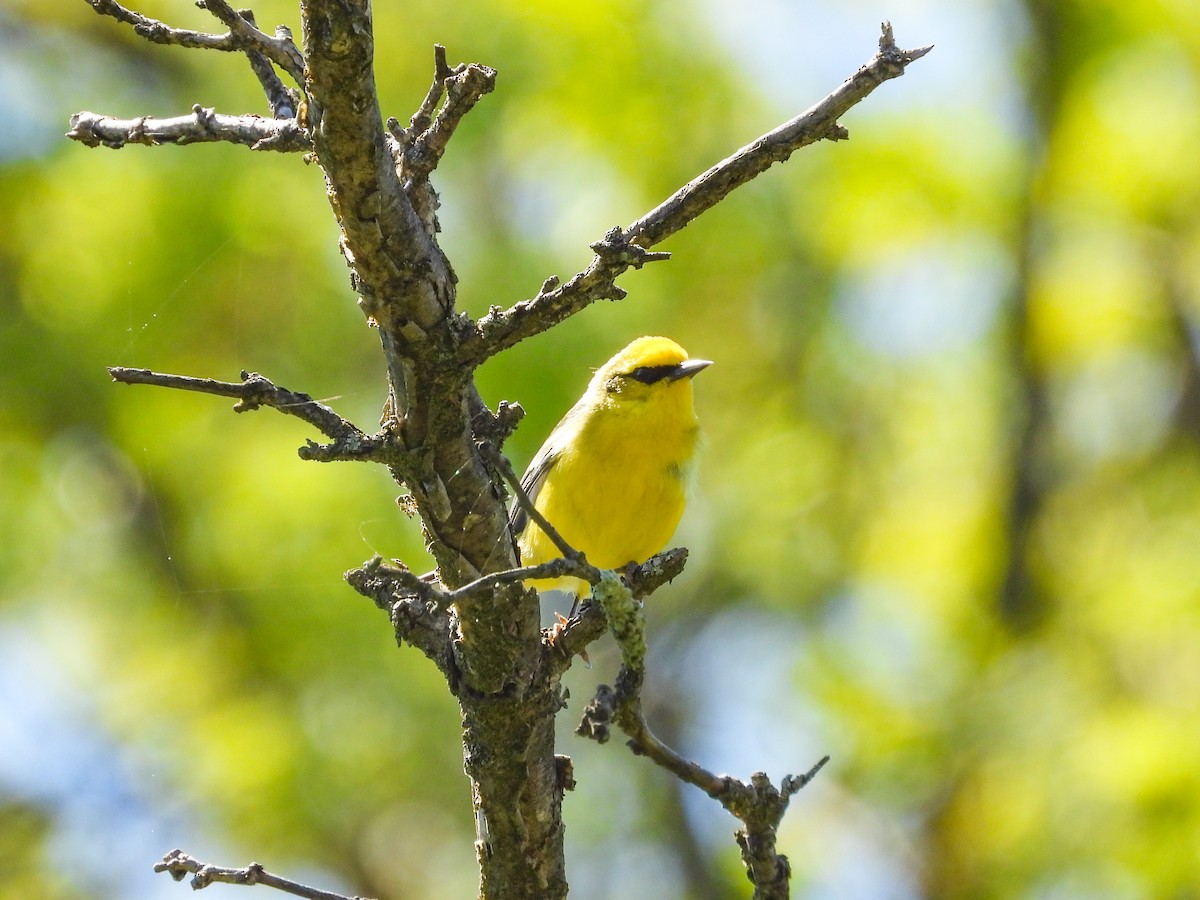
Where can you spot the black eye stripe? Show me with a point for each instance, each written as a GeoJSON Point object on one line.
{"type": "Point", "coordinates": [651, 374]}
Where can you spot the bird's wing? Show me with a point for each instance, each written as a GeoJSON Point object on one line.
{"type": "Point", "coordinates": [543, 463]}
{"type": "Point", "coordinates": [531, 484]}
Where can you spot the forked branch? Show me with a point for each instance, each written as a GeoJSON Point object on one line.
{"type": "Point", "coordinates": [264, 52]}
{"type": "Point", "coordinates": [242, 36]}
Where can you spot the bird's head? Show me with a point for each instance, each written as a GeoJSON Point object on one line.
{"type": "Point", "coordinates": [648, 367]}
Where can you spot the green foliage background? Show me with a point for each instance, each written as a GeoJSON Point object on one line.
{"type": "Point", "coordinates": [947, 527]}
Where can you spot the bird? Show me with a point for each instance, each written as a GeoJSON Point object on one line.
{"type": "Point", "coordinates": [613, 476]}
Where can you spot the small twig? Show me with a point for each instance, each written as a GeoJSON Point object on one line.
{"type": "Point", "coordinates": [555, 568]}
{"type": "Point", "coordinates": [202, 126]}
{"type": "Point", "coordinates": [242, 35]}
{"type": "Point", "coordinates": [254, 391]}
{"type": "Point", "coordinates": [402, 581]}
{"type": "Point", "coordinates": [279, 48]}
{"type": "Point", "coordinates": [283, 100]}
{"type": "Point", "coordinates": [615, 249]}
{"type": "Point", "coordinates": [465, 86]}
{"type": "Point", "coordinates": [160, 33]}
{"type": "Point", "coordinates": [500, 330]}
{"type": "Point", "coordinates": [494, 427]}
{"type": "Point", "coordinates": [179, 865]}
{"type": "Point", "coordinates": [423, 117]}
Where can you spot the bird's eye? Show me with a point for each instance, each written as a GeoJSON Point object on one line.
{"type": "Point", "coordinates": [650, 374]}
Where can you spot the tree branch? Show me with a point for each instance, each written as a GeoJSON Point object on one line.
{"type": "Point", "coordinates": [465, 86]}
{"type": "Point", "coordinates": [284, 101]}
{"type": "Point", "coordinates": [242, 34]}
{"type": "Point", "coordinates": [178, 865]}
{"type": "Point", "coordinates": [254, 391]}
{"type": "Point", "coordinates": [814, 124]}
{"type": "Point", "coordinates": [202, 126]}
{"type": "Point", "coordinates": [759, 805]}
{"type": "Point", "coordinates": [419, 148]}
{"type": "Point", "coordinates": [423, 117]}
{"type": "Point", "coordinates": [402, 581]}
{"type": "Point", "coordinates": [422, 144]}
{"type": "Point", "coordinates": [555, 302]}
{"type": "Point", "coordinates": [278, 48]}
{"type": "Point", "coordinates": [412, 606]}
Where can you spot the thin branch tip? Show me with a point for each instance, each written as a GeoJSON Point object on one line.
{"type": "Point", "coordinates": [179, 865]}
{"type": "Point", "coordinates": [888, 46]}
{"type": "Point", "coordinates": [441, 67]}
{"type": "Point", "coordinates": [794, 783]}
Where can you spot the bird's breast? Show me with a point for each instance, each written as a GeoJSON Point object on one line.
{"type": "Point", "coordinates": [619, 491]}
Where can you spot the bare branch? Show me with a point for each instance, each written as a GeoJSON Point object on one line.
{"type": "Point", "coordinates": [159, 33]}
{"type": "Point", "coordinates": [422, 144]}
{"type": "Point", "coordinates": [254, 391]}
{"type": "Point", "coordinates": [392, 586]}
{"type": "Point", "coordinates": [502, 329]}
{"type": "Point", "coordinates": [202, 126]}
{"type": "Point", "coordinates": [418, 149]}
{"type": "Point", "coordinates": [178, 865]}
{"type": "Point", "coordinates": [401, 582]}
{"type": "Point", "coordinates": [759, 805]}
{"type": "Point", "coordinates": [423, 117]}
{"type": "Point", "coordinates": [555, 568]}
{"type": "Point", "coordinates": [242, 34]}
{"type": "Point", "coordinates": [284, 101]}
{"type": "Point", "coordinates": [465, 86]}
{"type": "Point", "coordinates": [411, 604]}
{"type": "Point", "coordinates": [814, 124]}
{"type": "Point", "coordinates": [279, 48]}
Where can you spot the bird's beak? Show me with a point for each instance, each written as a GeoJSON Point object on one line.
{"type": "Point", "coordinates": [689, 368]}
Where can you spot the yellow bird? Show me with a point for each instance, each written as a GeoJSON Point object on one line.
{"type": "Point", "coordinates": [612, 477]}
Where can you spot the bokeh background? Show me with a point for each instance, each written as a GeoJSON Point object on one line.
{"type": "Point", "coordinates": [947, 526]}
